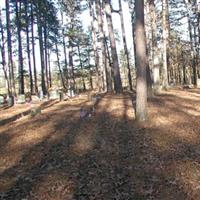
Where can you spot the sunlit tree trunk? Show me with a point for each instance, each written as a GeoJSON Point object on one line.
{"type": "Point", "coordinates": [41, 46]}
{"type": "Point", "coordinates": [94, 36]}
{"type": "Point", "coordinates": [71, 67]}
{"type": "Point", "coordinates": [59, 67]}
{"type": "Point", "coordinates": [90, 78]}
{"type": "Point", "coordinates": [3, 56]}
{"type": "Point", "coordinates": [141, 62]}
{"type": "Point", "coordinates": [103, 67]}
{"type": "Point", "coordinates": [10, 47]}
{"type": "Point", "coordinates": [81, 64]}
{"type": "Point", "coordinates": [20, 54]}
{"type": "Point", "coordinates": [165, 42]}
{"type": "Point", "coordinates": [28, 46]}
{"type": "Point", "coordinates": [133, 23]}
{"type": "Point", "coordinates": [65, 52]}
{"type": "Point", "coordinates": [155, 56]}
{"type": "Point", "coordinates": [192, 49]}
{"type": "Point", "coordinates": [125, 45]}
{"type": "Point", "coordinates": [117, 77]}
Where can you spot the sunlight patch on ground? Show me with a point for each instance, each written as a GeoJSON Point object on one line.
{"type": "Point", "coordinates": [188, 175]}
{"type": "Point", "coordinates": [84, 141]}
{"type": "Point", "coordinates": [53, 186]}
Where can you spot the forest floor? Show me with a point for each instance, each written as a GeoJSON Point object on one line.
{"type": "Point", "coordinates": [58, 156]}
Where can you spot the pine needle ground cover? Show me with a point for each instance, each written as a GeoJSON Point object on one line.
{"type": "Point", "coordinates": [57, 155]}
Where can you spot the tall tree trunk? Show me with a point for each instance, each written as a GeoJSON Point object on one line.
{"type": "Point", "coordinates": [81, 64]}
{"type": "Point", "coordinates": [125, 45]}
{"type": "Point", "coordinates": [103, 67]}
{"type": "Point", "coordinates": [71, 67]}
{"type": "Point", "coordinates": [165, 42]}
{"type": "Point", "coordinates": [65, 53]}
{"type": "Point", "coordinates": [96, 54]}
{"type": "Point", "coordinates": [41, 46]}
{"type": "Point", "coordinates": [194, 67]}
{"type": "Point", "coordinates": [117, 78]}
{"type": "Point", "coordinates": [156, 68]}
{"type": "Point", "coordinates": [20, 54]}
{"type": "Point", "coordinates": [28, 46]}
{"type": "Point", "coordinates": [133, 22]}
{"type": "Point", "coordinates": [90, 78]}
{"type": "Point", "coordinates": [3, 56]}
{"type": "Point", "coordinates": [59, 67]}
{"type": "Point", "coordinates": [9, 47]}
{"type": "Point", "coordinates": [141, 61]}
{"type": "Point", "coordinates": [109, 66]}
{"type": "Point", "coordinates": [33, 50]}
{"type": "Point", "coordinates": [49, 65]}
{"type": "Point", "coordinates": [45, 54]}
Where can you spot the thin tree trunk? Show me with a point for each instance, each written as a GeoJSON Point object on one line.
{"type": "Point", "coordinates": [41, 46]}
{"type": "Point", "coordinates": [133, 22]}
{"type": "Point", "coordinates": [3, 56]}
{"type": "Point", "coordinates": [156, 68]}
{"type": "Point", "coordinates": [33, 49]}
{"type": "Point", "coordinates": [71, 67]}
{"type": "Point", "coordinates": [96, 55]}
{"type": "Point", "coordinates": [165, 42]}
{"type": "Point", "coordinates": [141, 61]}
{"type": "Point", "coordinates": [59, 67]}
{"type": "Point", "coordinates": [28, 47]}
{"type": "Point", "coordinates": [20, 54]}
{"type": "Point", "coordinates": [91, 81]}
{"type": "Point", "coordinates": [117, 78]}
{"type": "Point", "coordinates": [65, 53]}
{"type": "Point", "coordinates": [194, 68]}
{"type": "Point", "coordinates": [81, 64]}
{"type": "Point", "coordinates": [49, 65]}
{"type": "Point", "coordinates": [9, 47]}
{"type": "Point", "coordinates": [125, 45]}
{"type": "Point", "coordinates": [103, 48]}
{"type": "Point", "coordinates": [45, 55]}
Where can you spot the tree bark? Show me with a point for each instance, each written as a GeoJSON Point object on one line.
{"type": "Point", "coordinates": [20, 54]}
{"type": "Point", "coordinates": [165, 42]}
{"type": "Point", "coordinates": [81, 64]}
{"type": "Point", "coordinates": [28, 46]}
{"type": "Point", "coordinates": [33, 50]}
{"type": "Point", "coordinates": [141, 61]}
{"type": "Point", "coordinates": [117, 78]}
{"type": "Point", "coordinates": [3, 56]}
{"type": "Point", "coordinates": [156, 68]}
{"type": "Point", "coordinates": [59, 67]}
{"type": "Point", "coordinates": [71, 67]}
{"type": "Point", "coordinates": [9, 47]}
{"type": "Point", "coordinates": [125, 45]}
{"type": "Point", "coordinates": [65, 53]}
{"type": "Point", "coordinates": [96, 54]}
{"type": "Point", "coordinates": [103, 47]}
{"type": "Point", "coordinates": [194, 67]}
{"type": "Point", "coordinates": [41, 46]}
{"type": "Point", "coordinates": [49, 65]}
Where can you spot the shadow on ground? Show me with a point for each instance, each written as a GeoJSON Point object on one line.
{"type": "Point", "coordinates": [107, 156]}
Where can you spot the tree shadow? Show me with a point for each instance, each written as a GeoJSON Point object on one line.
{"type": "Point", "coordinates": [107, 156]}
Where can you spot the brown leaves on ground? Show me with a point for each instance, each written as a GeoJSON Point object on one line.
{"type": "Point", "coordinates": [57, 155]}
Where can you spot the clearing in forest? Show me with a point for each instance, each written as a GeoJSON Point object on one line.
{"type": "Point", "coordinates": [56, 155]}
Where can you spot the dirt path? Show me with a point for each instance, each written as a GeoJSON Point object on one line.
{"type": "Point", "coordinates": [58, 156]}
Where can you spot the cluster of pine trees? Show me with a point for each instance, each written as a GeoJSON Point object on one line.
{"type": "Point", "coordinates": [165, 40]}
